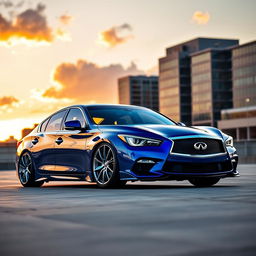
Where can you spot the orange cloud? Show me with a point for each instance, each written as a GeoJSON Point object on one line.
{"type": "Point", "coordinates": [8, 100]}
{"type": "Point", "coordinates": [201, 18]}
{"type": "Point", "coordinates": [65, 19]}
{"type": "Point", "coordinates": [115, 35]}
{"type": "Point", "coordinates": [27, 26]}
{"type": "Point", "coordinates": [86, 82]}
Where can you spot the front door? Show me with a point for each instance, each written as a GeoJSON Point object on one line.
{"type": "Point", "coordinates": [70, 146]}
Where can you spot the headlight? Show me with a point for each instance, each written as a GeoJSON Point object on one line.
{"type": "Point", "coordinates": [229, 142]}
{"type": "Point", "coordinates": [139, 141]}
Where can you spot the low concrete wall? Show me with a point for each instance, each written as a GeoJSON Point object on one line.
{"type": "Point", "coordinates": [246, 151]}
{"type": "Point", "coordinates": [7, 156]}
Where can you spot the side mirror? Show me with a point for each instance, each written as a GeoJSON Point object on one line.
{"type": "Point", "coordinates": [73, 125]}
{"type": "Point", "coordinates": [181, 124]}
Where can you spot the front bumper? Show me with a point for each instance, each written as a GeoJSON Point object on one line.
{"type": "Point", "coordinates": [181, 167]}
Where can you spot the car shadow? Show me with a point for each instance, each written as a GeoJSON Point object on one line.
{"type": "Point", "coordinates": [133, 186]}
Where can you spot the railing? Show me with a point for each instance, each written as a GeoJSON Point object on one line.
{"type": "Point", "coordinates": [246, 151]}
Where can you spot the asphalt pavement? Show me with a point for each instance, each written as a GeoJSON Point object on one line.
{"type": "Point", "coordinates": [144, 218]}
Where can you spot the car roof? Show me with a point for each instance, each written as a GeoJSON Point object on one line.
{"type": "Point", "coordinates": [104, 105]}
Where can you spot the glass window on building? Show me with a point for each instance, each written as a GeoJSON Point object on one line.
{"type": "Point", "coordinates": [243, 133]}
{"type": "Point", "coordinates": [253, 132]}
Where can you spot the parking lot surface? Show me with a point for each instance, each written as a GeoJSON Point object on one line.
{"type": "Point", "coordinates": [150, 218]}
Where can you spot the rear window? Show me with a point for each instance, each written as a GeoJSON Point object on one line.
{"type": "Point", "coordinates": [43, 125]}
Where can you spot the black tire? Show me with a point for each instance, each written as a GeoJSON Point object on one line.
{"type": "Point", "coordinates": [204, 182]}
{"type": "Point", "coordinates": [26, 171]}
{"type": "Point", "coordinates": [105, 167]}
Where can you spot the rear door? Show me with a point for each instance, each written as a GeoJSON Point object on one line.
{"type": "Point", "coordinates": [71, 156]}
{"type": "Point", "coordinates": [43, 149]}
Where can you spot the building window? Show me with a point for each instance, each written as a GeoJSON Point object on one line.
{"type": "Point", "coordinates": [243, 133]}
{"type": "Point", "coordinates": [253, 132]}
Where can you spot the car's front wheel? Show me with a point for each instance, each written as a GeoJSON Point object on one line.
{"type": "Point", "coordinates": [105, 167]}
{"type": "Point", "coordinates": [26, 171]}
{"type": "Point", "coordinates": [204, 182]}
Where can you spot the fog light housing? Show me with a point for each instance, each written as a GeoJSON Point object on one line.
{"type": "Point", "coordinates": [143, 166]}
{"type": "Point", "coordinates": [146, 161]}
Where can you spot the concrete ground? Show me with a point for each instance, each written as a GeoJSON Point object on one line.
{"type": "Point", "coordinates": [159, 218]}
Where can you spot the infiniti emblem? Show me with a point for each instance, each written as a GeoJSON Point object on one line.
{"type": "Point", "coordinates": [200, 146]}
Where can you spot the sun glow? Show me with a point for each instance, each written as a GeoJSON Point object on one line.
{"type": "Point", "coordinates": [14, 127]}
{"type": "Point", "coordinates": [14, 41]}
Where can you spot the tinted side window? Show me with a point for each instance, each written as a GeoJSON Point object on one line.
{"type": "Point", "coordinates": [55, 122]}
{"type": "Point", "coordinates": [43, 125]}
{"type": "Point", "coordinates": [76, 114]}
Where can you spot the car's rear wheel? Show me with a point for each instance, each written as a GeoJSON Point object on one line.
{"type": "Point", "coordinates": [105, 167]}
{"type": "Point", "coordinates": [204, 182]}
{"type": "Point", "coordinates": [26, 171]}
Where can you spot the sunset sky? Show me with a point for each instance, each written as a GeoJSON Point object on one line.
{"type": "Point", "coordinates": [55, 53]}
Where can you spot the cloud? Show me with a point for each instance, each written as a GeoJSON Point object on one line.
{"type": "Point", "coordinates": [115, 35]}
{"type": "Point", "coordinates": [201, 18]}
{"type": "Point", "coordinates": [6, 4]}
{"type": "Point", "coordinates": [8, 101]}
{"type": "Point", "coordinates": [86, 82]}
{"type": "Point", "coordinates": [65, 19]}
{"type": "Point", "coordinates": [153, 71]}
{"type": "Point", "coordinates": [27, 26]}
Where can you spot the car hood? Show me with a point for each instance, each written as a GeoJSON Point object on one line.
{"type": "Point", "coordinates": [169, 131]}
{"type": "Point", "coordinates": [172, 131]}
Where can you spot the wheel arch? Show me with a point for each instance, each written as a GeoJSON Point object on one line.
{"type": "Point", "coordinates": [19, 155]}
{"type": "Point", "coordinates": [33, 162]}
{"type": "Point", "coordinates": [94, 149]}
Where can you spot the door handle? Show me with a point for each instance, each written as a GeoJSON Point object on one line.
{"type": "Point", "coordinates": [59, 140]}
{"type": "Point", "coordinates": [34, 141]}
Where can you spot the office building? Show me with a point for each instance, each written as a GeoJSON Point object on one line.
{"type": "Point", "coordinates": [211, 85]}
{"type": "Point", "coordinates": [240, 122]}
{"type": "Point", "coordinates": [175, 76]}
{"type": "Point", "coordinates": [139, 90]}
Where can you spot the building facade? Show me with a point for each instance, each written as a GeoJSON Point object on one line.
{"type": "Point", "coordinates": [139, 90]}
{"type": "Point", "coordinates": [175, 76]}
{"type": "Point", "coordinates": [211, 84]}
{"type": "Point", "coordinates": [240, 122]}
{"type": "Point", "coordinates": [244, 75]}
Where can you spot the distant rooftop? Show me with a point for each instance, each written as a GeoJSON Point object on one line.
{"type": "Point", "coordinates": [139, 77]}
{"type": "Point", "coordinates": [202, 43]}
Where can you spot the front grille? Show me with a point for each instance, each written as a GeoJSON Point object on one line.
{"type": "Point", "coordinates": [186, 146]}
{"type": "Point", "coordinates": [198, 168]}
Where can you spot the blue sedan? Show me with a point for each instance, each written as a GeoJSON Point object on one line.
{"type": "Point", "coordinates": [113, 144]}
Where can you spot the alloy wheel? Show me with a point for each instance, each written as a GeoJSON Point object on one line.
{"type": "Point", "coordinates": [25, 167]}
{"type": "Point", "coordinates": [104, 164]}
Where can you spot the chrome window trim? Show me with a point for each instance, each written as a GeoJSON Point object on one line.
{"type": "Point", "coordinates": [67, 109]}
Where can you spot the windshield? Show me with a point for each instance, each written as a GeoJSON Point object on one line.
{"type": "Point", "coordinates": [118, 115]}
